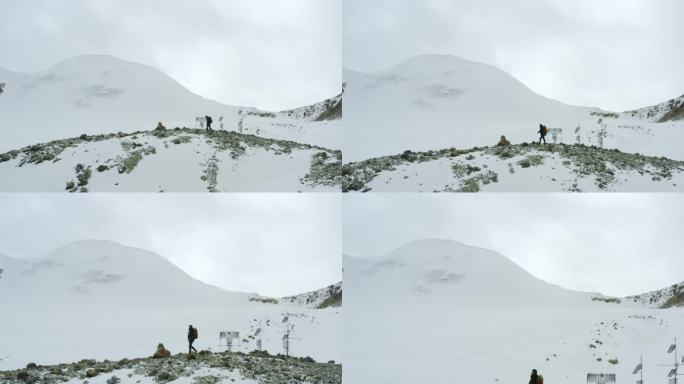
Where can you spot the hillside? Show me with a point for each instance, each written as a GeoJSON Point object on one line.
{"type": "Point", "coordinates": [436, 310]}
{"type": "Point", "coordinates": [440, 101]}
{"type": "Point", "coordinates": [329, 109]}
{"type": "Point", "coordinates": [96, 94]}
{"type": "Point", "coordinates": [671, 110]}
{"type": "Point", "coordinates": [108, 301]}
{"type": "Point", "coordinates": [672, 296]}
{"type": "Point", "coordinates": [173, 160]}
{"type": "Point", "coordinates": [330, 296]}
{"type": "Point", "coordinates": [515, 168]}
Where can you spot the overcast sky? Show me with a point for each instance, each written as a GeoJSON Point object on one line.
{"type": "Point", "coordinates": [613, 54]}
{"type": "Point", "coordinates": [616, 244]}
{"type": "Point", "coordinates": [272, 244]}
{"type": "Point", "coordinates": [271, 54]}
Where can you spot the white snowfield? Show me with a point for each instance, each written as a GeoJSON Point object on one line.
{"type": "Point", "coordinates": [100, 300]}
{"type": "Point", "coordinates": [433, 102]}
{"type": "Point", "coordinates": [99, 94]}
{"type": "Point", "coordinates": [221, 375]}
{"type": "Point", "coordinates": [437, 311]}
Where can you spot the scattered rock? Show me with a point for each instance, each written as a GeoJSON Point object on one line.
{"type": "Point", "coordinates": [161, 352]}
{"type": "Point", "coordinates": [23, 376]}
{"type": "Point", "coordinates": [92, 372]}
{"type": "Point", "coordinates": [503, 141]}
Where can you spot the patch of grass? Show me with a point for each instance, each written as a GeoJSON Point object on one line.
{"type": "Point", "coordinates": [181, 140]}
{"type": "Point", "coordinates": [130, 162]}
{"type": "Point", "coordinates": [83, 177]}
{"type": "Point", "coordinates": [326, 169]}
{"type": "Point", "coordinates": [210, 173]}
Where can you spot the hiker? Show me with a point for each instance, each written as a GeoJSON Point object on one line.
{"type": "Point", "coordinates": [543, 130]}
{"type": "Point", "coordinates": [192, 336]}
{"type": "Point", "coordinates": [536, 379]}
{"type": "Point", "coordinates": [209, 121]}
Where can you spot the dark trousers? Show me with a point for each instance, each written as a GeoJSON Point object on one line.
{"type": "Point", "coordinates": [190, 347]}
{"type": "Point", "coordinates": [542, 137]}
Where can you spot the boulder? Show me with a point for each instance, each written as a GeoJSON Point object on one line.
{"type": "Point", "coordinates": [91, 372]}
{"type": "Point", "coordinates": [161, 352]}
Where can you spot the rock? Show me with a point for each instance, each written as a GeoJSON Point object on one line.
{"type": "Point", "coordinates": [56, 371]}
{"type": "Point", "coordinates": [91, 372]}
{"type": "Point", "coordinates": [161, 352]}
{"type": "Point", "coordinates": [87, 362]}
{"type": "Point", "coordinates": [503, 141]}
{"type": "Point", "coordinates": [31, 366]}
{"type": "Point", "coordinates": [165, 376]}
{"type": "Point", "coordinates": [23, 376]}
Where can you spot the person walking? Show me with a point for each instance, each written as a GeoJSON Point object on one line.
{"type": "Point", "coordinates": [192, 336]}
{"type": "Point", "coordinates": [543, 130]}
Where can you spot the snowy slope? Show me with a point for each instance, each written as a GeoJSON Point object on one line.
{"type": "Point", "coordinates": [439, 101]}
{"type": "Point", "coordinates": [671, 110]}
{"type": "Point", "coordinates": [97, 299]}
{"type": "Point", "coordinates": [102, 94]}
{"type": "Point", "coordinates": [330, 296]}
{"type": "Point", "coordinates": [438, 311]}
{"type": "Point", "coordinates": [672, 296]}
{"type": "Point", "coordinates": [176, 160]}
{"type": "Point", "coordinates": [330, 109]}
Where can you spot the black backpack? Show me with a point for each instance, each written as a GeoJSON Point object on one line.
{"type": "Point", "coordinates": [209, 120]}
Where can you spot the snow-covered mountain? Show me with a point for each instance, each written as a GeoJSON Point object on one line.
{"type": "Point", "coordinates": [98, 299]}
{"type": "Point", "coordinates": [672, 296]}
{"type": "Point", "coordinates": [329, 109]}
{"type": "Point", "coordinates": [96, 94]}
{"type": "Point", "coordinates": [671, 110]}
{"type": "Point", "coordinates": [433, 102]}
{"type": "Point", "coordinates": [440, 311]}
{"type": "Point", "coordinates": [330, 296]}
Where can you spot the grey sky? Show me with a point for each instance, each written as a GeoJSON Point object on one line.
{"type": "Point", "coordinates": [613, 54]}
{"type": "Point", "coordinates": [273, 244]}
{"type": "Point", "coordinates": [271, 54]}
{"type": "Point", "coordinates": [616, 244]}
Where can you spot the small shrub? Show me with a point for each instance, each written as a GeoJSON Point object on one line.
{"type": "Point", "coordinates": [83, 177]}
